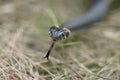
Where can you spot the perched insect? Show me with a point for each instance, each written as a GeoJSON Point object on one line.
{"type": "Point", "coordinates": [57, 34]}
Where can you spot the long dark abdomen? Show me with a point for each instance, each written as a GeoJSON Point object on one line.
{"type": "Point", "coordinates": [96, 13]}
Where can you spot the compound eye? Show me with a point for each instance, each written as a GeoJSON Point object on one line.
{"type": "Point", "coordinates": [58, 33]}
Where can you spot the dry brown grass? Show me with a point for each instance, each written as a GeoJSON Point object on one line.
{"type": "Point", "coordinates": [93, 54]}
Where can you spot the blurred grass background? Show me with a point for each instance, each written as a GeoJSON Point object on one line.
{"type": "Point", "coordinates": [93, 54]}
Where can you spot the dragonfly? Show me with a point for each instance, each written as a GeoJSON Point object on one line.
{"type": "Point", "coordinates": [56, 33]}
